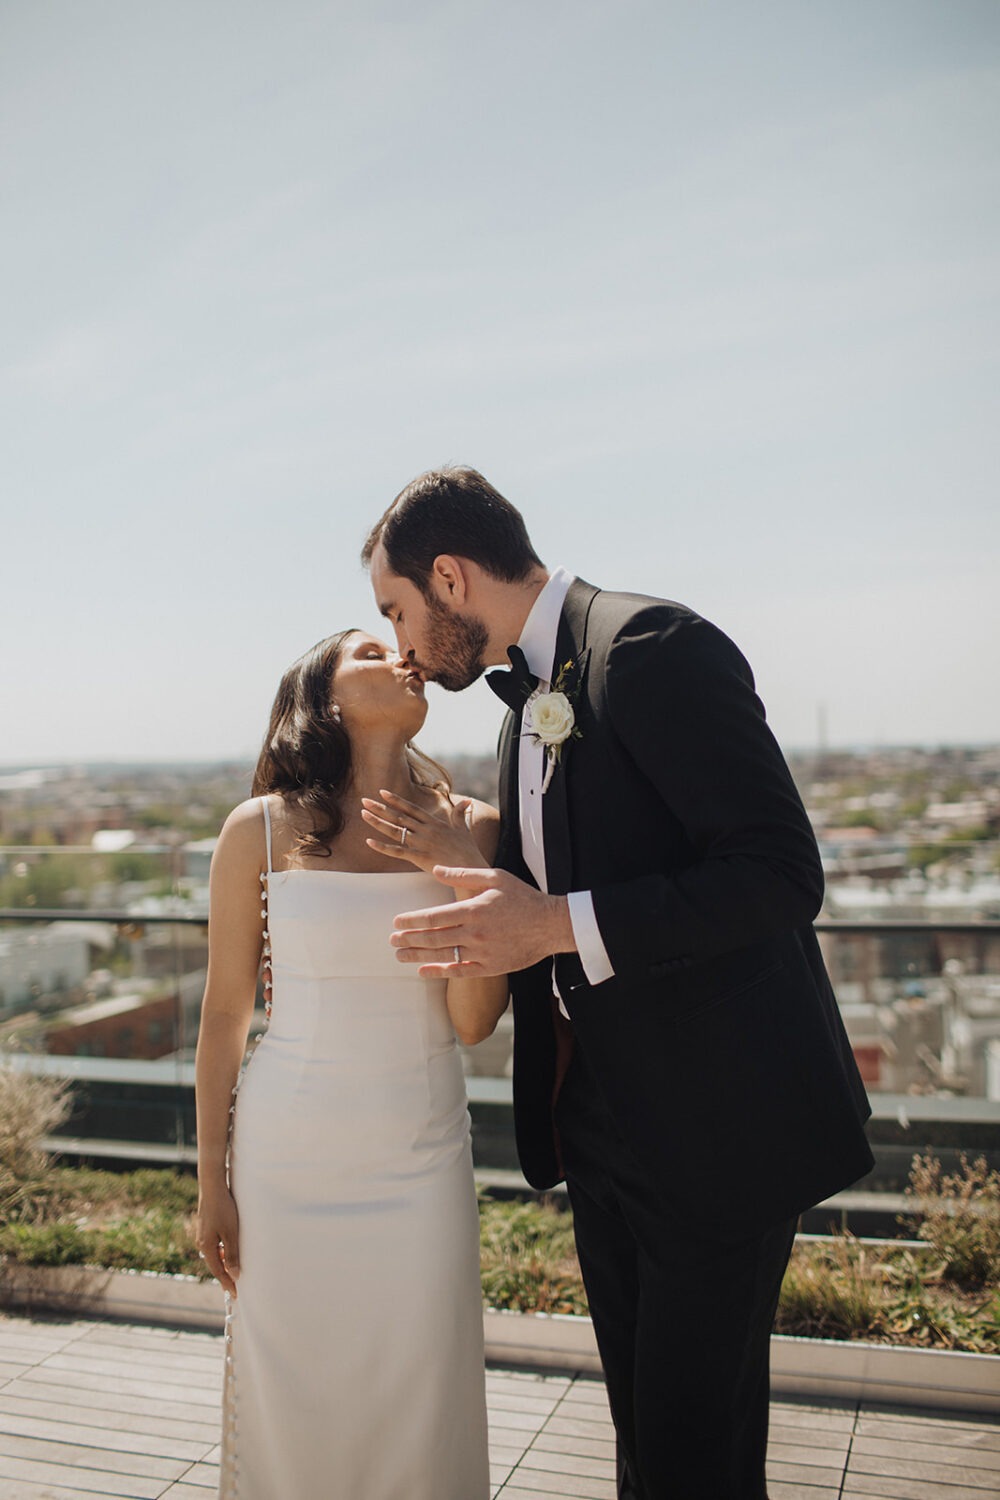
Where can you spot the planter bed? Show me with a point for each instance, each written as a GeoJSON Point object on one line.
{"type": "Point", "coordinates": [846, 1370]}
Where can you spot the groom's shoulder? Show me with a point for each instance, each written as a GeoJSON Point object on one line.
{"type": "Point", "coordinates": [615, 611]}
{"type": "Point", "coordinates": [620, 621]}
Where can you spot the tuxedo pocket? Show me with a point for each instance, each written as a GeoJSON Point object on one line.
{"type": "Point", "coordinates": [691, 1012]}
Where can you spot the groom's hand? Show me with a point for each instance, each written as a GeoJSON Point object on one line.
{"type": "Point", "coordinates": [501, 925]}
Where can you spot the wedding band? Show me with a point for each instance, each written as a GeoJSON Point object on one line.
{"type": "Point", "coordinates": [402, 838]}
{"type": "Point", "coordinates": [458, 953]}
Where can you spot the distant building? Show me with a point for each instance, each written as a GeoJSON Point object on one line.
{"type": "Point", "coordinates": [112, 840]}
{"type": "Point", "coordinates": [128, 1026]}
{"type": "Point", "coordinates": [44, 961]}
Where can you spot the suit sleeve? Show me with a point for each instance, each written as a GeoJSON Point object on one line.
{"type": "Point", "coordinates": [681, 699]}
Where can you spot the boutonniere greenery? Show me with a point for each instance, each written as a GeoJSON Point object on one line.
{"type": "Point", "coordinates": [550, 718]}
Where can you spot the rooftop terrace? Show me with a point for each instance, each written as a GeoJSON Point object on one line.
{"type": "Point", "coordinates": [97, 1408]}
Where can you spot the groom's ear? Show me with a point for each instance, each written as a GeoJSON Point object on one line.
{"type": "Point", "coordinates": [450, 579]}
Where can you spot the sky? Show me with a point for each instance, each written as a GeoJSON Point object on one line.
{"type": "Point", "coordinates": [708, 289]}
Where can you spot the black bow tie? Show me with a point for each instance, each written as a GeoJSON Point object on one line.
{"type": "Point", "coordinates": [515, 686]}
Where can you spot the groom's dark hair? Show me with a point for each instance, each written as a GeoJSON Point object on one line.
{"type": "Point", "coordinates": [455, 511]}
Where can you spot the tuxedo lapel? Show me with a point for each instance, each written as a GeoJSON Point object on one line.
{"type": "Point", "coordinates": [508, 855]}
{"type": "Point", "coordinates": [573, 654]}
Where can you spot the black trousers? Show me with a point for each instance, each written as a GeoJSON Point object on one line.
{"type": "Point", "coordinates": [683, 1322]}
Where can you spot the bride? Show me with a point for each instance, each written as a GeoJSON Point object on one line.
{"type": "Point", "coordinates": [336, 1199]}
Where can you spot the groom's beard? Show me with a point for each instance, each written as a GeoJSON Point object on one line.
{"type": "Point", "coordinates": [455, 649]}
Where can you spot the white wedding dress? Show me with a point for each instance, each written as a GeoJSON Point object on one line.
{"type": "Point", "coordinates": [354, 1349]}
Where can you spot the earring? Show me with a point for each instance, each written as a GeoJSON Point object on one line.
{"type": "Point", "coordinates": [335, 712]}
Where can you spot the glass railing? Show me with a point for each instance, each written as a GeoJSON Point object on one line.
{"type": "Point", "coordinates": [103, 959]}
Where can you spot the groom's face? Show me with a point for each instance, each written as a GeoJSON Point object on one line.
{"type": "Point", "coordinates": [448, 647]}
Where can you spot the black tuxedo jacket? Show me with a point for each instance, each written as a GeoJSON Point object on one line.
{"type": "Point", "coordinates": [718, 1045]}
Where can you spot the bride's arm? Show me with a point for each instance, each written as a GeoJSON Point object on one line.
{"type": "Point", "coordinates": [462, 831]}
{"type": "Point", "coordinates": [234, 948]}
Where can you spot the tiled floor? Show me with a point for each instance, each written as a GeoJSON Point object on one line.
{"type": "Point", "coordinates": [106, 1409]}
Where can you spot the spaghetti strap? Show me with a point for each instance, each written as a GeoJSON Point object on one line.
{"type": "Point", "coordinates": [267, 830]}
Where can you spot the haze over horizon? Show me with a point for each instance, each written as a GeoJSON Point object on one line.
{"type": "Point", "coordinates": [709, 292]}
{"type": "Point", "coordinates": [15, 768]}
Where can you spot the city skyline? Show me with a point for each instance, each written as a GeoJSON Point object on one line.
{"type": "Point", "coordinates": [710, 294]}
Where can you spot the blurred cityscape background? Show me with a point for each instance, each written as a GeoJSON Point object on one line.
{"type": "Point", "coordinates": [103, 946]}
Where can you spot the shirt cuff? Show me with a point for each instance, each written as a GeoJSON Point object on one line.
{"type": "Point", "coordinates": [589, 944]}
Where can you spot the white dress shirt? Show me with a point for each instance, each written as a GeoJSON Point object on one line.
{"type": "Point", "coordinates": [538, 642]}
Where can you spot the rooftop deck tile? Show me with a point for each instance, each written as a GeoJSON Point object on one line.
{"type": "Point", "coordinates": [26, 1489]}
{"type": "Point", "coordinates": [573, 1427]}
{"type": "Point", "coordinates": [834, 1421]}
{"type": "Point", "coordinates": [906, 1463]}
{"type": "Point", "coordinates": [576, 1486]}
{"type": "Point", "coordinates": [99, 1409]}
{"type": "Point", "coordinates": [203, 1476]}
{"type": "Point", "coordinates": [930, 1452]}
{"type": "Point", "coordinates": [778, 1490]}
{"type": "Point", "coordinates": [503, 1452]}
{"type": "Point", "coordinates": [106, 1433]}
{"type": "Point", "coordinates": [98, 1481]}
{"type": "Point", "coordinates": [889, 1487]}
{"type": "Point", "coordinates": [803, 1478]}
{"type": "Point", "coordinates": [822, 1454]}
{"type": "Point", "coordinates": [956, 1437]}
{"type": "Point", "coordinates": [554, 1442]}
{"type": "Point", "coordinates": [128, 1465]}
{"type": "Point", "coordinates": [549, 1462]}
{"type": "Point", "coordinates": [931, 1417]}
{"type": "Point", "coordinates": [151, 1416]}
{"type": "Point", "coordinates": [170, 1439]}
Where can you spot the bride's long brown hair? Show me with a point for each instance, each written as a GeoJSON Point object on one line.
{"type": "Point", "coordinates": [306, 755]}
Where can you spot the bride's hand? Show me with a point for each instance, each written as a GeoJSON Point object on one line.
{"type": "Point", "coordinates": [419, 836]}
{"type": "Point", "coordinates": [217, 1235]}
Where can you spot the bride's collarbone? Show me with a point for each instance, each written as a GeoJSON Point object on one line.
{"type": "Point", "coordinates": [347, 854]}
{"type": "Point", "coordinates": [343, 859]}
{"type": "Point", "coordinates": [331, 867]}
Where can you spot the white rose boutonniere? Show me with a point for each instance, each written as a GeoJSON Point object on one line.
{"type": "Point", "coordinates": [550, 720]}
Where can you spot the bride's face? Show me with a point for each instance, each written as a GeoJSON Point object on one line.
{"type": "Point", "coordinates": [375, 689]}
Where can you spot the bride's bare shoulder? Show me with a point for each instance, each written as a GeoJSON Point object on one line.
{"type": "Point", "coordinates": [242, 834]}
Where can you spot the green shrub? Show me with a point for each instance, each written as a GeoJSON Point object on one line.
{"type": "Point", "coordinates": [155, 1241]}
{"type": "Point", "coordinates": [837, 1288]}
{"type": "Point", "coordinates": [959, 1215]}
{"type": "Point", "coordinates": [528, 1258]}
{"type": "Point", "coordinates": [175, 1192]}
{"type": "Point", "coordinates": [917, 1311]}
{"type": "Point", "coordinates": [30, 1107]}
{"type": "Point", "coordinates": [49, 1244]}
{"type": "Point", "coordinates": [90, 1190]}
{"type": "Point", "coordinates": [829, 1292]}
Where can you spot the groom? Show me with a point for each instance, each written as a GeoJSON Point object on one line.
{"type": "Point", "coordinates": [679, 1056]}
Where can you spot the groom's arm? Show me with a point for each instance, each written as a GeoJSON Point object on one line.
{"type": "Point", "coordinates": [681, 700]}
